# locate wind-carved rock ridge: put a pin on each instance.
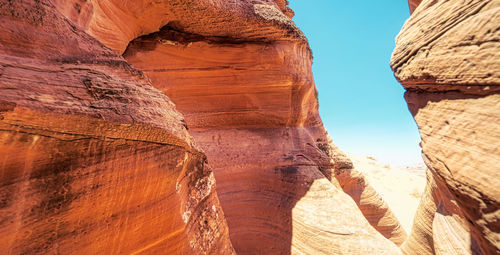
(447, 57)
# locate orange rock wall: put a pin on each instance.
(117, 22)
(447, 58)
(96, 160)
(253, 108)
(282, 97)
(250, 85)
(93, 159)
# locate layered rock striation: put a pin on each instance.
(117, 22)
(447, 58)
(96, 159)
(252, 106)
(93, 158)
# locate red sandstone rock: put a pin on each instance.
(117, 22)
(252, 106)
(93, 159)
(447, 58)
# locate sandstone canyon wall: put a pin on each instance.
(448, 59)
(252, 105)
(93, 159)
(96, 160)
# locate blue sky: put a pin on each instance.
(361, 103)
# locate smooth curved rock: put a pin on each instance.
(447, 58)
(94, 160)
(448, 46)
(234, 84)
(253, 108)
(275, 174)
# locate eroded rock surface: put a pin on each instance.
(117, 22)
(96, 160)
(447, 58)
(252, 106)
(93, 159)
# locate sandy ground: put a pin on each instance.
(400, 186)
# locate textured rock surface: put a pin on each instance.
(93, 159)
(252, 106)
(116, 22)
(276, 174)
(414, 4)
(447, 58)
(96, 160)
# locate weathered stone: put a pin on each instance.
(93, 159)
(253, 108)
(447, 58)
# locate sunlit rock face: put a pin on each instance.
(116, 22)
(93, 159)
(447, 58)
(249, 100)
(373, 206)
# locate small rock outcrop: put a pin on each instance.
(447, 58)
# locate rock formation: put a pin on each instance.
(96, 158)
(117, 22)
(447, 59)
(252, 105)
(93, 159)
